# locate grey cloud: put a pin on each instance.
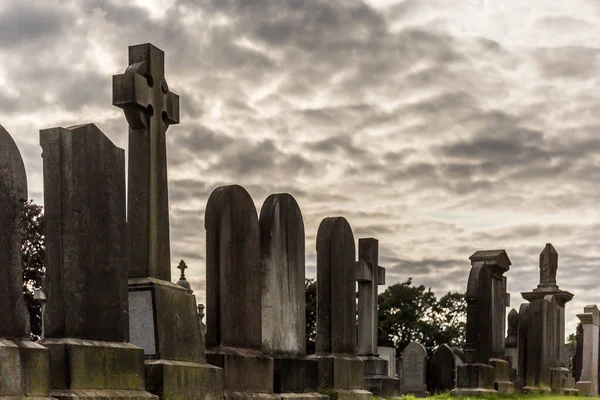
(24, 22)
(568, 62)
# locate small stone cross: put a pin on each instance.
(182, 267)
(369, 275)
(143, 94)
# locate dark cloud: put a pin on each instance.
(24, 22)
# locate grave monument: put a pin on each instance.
(369, 276)
(24, 365)
(163, 318)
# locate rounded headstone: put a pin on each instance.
(442, 370)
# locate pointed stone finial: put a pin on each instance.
(182, 281)
(548, 266)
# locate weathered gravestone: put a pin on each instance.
(339, 368)
(546, 363)
(511, 345)
(163, 319)
(522, 346)
(588, 382)
(86, 314)
(414, 370)
(369, 276)
(389, 354)
(233, 293)
(441, 376)
(486, 297)
(24, 368)
(578, 357)
(283, 298)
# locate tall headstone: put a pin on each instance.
(414, 370)
(553, 354)
(522, 346)
(442, 370)
(369, 276)
(486, 297)
(590, 321)
(163, 319)
(283, 310)
(339, 368)
(24, 367)
(578, 357)
(86, 314)
(511, 345)
(233, 293)
(389, 354)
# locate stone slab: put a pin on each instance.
(35, 368)
(95, 394)
(164, 321)
(382, 385)
(373, 365)
(475, 377)
(339, 371)
(293, 374)
(89, 364)
(13, 192)
(172, 380)
(246, 371)
(348, 394)
(10, 369)
(84, 211)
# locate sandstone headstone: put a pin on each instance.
(522, 346)
(283, 294)
(590, 320)
(369, 276)
(13, 193)
(414, 370)
(339, 368)
(86, 279)
(24, 365)
(163, 319)
(234, 293)
(442, 370)
(486, 307)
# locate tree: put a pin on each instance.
(310, 286)
(34, 250)
(412, 313)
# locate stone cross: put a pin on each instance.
(150, 108)
(182, 267)
(368, 275)
(13, 192)
(548, 266)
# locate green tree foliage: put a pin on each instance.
(34, 250)
(310, 286)
(412, 313)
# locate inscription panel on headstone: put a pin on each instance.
(141, 310)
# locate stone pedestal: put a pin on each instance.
(162, 315)
(294, 374)
(24, 370)
(502, 381)
(474, 380)
(95, 369)
(562, 382)
(377, 380)
(342, 374)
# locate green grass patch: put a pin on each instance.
(517, 396)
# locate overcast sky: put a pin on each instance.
(440, 127)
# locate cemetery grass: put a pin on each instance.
(447, 396)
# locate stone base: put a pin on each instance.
(244, 371)
(472, 392)
(586, 388)
(382, 386)
(24, 369)
(95, 369)
(561, 381)
(338, 371)
(183, 380)
(502, 381)
(532, 390)
(295, 375)
(475, 378)
(348, 394)
(232, 395)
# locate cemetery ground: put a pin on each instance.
(498, 396)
